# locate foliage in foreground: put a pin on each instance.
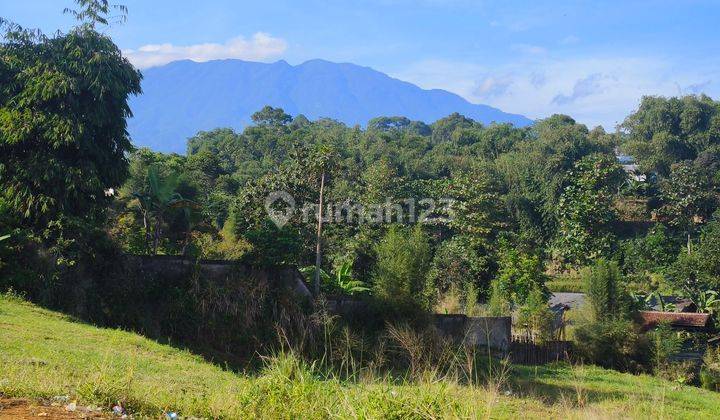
(45, 354)
(607, 336)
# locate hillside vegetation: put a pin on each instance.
(400, 218)
(47, 354)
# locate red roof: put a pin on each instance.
(651, 319)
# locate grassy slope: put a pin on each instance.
(44, 354)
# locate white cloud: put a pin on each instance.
(584, 87)
(260, 47)
(570, 40)
(493, 85)
(456, 77)
(594, 91)
(529, 49)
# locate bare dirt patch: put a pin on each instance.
(18, 408)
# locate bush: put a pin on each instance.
(681, 372)
(652, 253)
(615, 344)
(520, 274)
(697, 268)
(536, 317)
(710, 379)
(458, 267)
(607, 336)
(403, 259)
(664, 343)
(710, 371)
(606, 296)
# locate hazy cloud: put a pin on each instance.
(457, 77)
(570, 40)
(516, 23)
(584, 87)
(260, 47)
(694, 88)
(529, 49)
(598, 90)
(493, 86)
(537, 79)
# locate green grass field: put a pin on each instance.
(46, 354)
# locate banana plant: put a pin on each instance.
(648, 302)
(708, 302)
(342, 280)
(345, 282)
(664, 306)
(161, 197)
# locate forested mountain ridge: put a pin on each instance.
(184, 97)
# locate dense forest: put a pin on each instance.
(550, 198)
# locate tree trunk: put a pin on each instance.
(318, 258)
(188, 238)
(145, 228)
(156, 242)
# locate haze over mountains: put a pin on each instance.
(184, 97)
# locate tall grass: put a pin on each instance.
(402, 373)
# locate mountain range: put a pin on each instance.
(183, 97)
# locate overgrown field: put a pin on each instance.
(46, 354)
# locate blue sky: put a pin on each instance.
(591, 60)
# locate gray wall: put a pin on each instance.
(494, 332)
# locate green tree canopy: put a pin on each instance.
(63, 111)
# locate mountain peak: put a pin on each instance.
(184, 97)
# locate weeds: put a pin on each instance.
(44, 356)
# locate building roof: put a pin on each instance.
(631, 168)
(679, 320)
(624, 159)
(567, 300)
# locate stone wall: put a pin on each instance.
(493, 332)
(216, 271)
(224, 310)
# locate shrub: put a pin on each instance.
(457, 267)
(710, 371)
(710, 379)
(520, 274)
(607, 336)
(615, 344)
(664, 343)
(606, 296)
(652, 253)
(697, 269)
(681, 372)
(536, 317)
(403, 259)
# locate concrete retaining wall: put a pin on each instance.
(494, 332)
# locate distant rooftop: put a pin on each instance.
(625, 159)
(677, 320)
(567, 300)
